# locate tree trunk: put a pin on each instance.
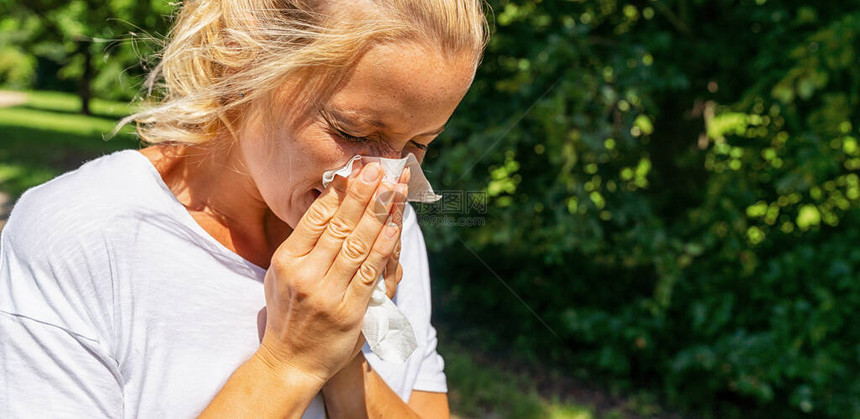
(85, 92)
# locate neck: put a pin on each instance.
(209, 181)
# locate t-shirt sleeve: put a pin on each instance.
(51, 372)
(431, 375)
(56, 296)
(431, 371)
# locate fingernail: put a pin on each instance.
(402, 190)
(356, 168)
(371, 172)
(407, 175)
(390, 230)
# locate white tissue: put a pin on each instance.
(386, 329)
(419, 188)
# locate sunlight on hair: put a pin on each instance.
(220, 57)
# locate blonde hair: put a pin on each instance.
(222, 55)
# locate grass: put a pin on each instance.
(486, 383)
(46, 136)
(478, 390)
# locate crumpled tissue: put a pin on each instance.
(386, 329)
(419, 188)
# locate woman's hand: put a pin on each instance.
(321, 278)
(393, 270)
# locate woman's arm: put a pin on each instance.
(358, 391)
(260, 388)
(429, 404)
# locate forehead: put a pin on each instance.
(405, 84)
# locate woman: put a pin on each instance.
(134, 286)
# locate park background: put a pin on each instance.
(671, 191)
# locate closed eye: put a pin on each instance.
(351, 138)
(334, 128)
(356, 139)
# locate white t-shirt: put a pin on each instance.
(114, 302)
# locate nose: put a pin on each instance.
(394, 154)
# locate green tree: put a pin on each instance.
(96, 44)
(673, 190)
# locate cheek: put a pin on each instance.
(286, 169)
(272, 168)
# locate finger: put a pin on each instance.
(395, 256)
(405, 175)
(393, 268)
(362, 284)
(398, 277)
(313, 223)
(354, 205)
(393, 275)
(390, 273)
(356, 247)
(401, 191)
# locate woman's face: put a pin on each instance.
(395, 102)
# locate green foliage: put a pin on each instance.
(16, 68)
(673, 189)
(97, 45)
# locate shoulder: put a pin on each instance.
(99, 184)
(55, 262)
(80, 202)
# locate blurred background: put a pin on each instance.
(651, 206)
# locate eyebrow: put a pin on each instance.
(335, 117)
